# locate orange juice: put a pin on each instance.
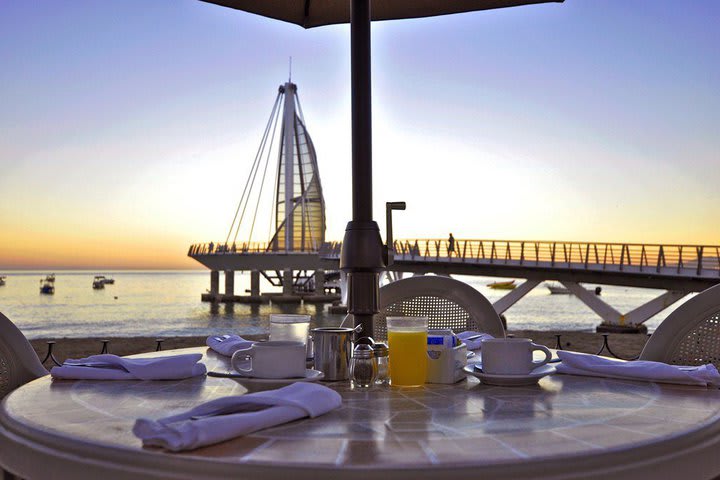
(408, 356)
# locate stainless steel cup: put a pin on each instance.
(333, 348)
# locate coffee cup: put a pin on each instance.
(511, 356)
(273, 359)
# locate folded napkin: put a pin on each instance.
(229, 417)
(592, 365)
(228, 344)
(473, 344)
(112, 367)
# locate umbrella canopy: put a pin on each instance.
(363, 256)
(315, 13)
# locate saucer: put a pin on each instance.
(310, 376)
(509, 380)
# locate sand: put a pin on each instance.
(624, 345)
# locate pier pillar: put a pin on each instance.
(214, 282)
(319, 282)
(287, 282)
(229, 283)
(255, 283)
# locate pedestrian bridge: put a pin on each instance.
(678, 269)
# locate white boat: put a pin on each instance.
(2, 280)
(556, 289)
(47, 286)
(98, 282)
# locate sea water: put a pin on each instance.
(167, 304)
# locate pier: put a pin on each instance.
(677, 269)
(298, 258)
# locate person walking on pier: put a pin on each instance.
(451, 245)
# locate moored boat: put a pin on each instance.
(508, 285)
(47, 286)
(2, 280)
(98, 282)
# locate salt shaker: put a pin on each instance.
(381, 359)
(363, 369)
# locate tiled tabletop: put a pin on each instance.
(561, 422)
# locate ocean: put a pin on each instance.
(167, 304)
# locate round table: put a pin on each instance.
(564, 427)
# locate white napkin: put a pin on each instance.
(230, 417)
(592, 365)
(474, 344)
(112, 367)
(227, 344)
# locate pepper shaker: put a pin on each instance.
(363, 368)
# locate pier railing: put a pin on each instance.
(644, 257)
(681, 259)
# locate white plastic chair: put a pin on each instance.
(690, 335)
(18, 361)
(446, 302)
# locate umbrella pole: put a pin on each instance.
(361, 256)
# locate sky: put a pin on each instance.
(128, 129)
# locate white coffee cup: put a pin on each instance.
(511, 356)
(274, 359)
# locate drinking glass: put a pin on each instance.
(407, 342)
(293, 328)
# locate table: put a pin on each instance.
(565, 427)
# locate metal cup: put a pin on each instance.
(333, 347)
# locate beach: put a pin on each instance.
(624, 345)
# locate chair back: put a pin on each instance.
(444, 301)
(18, 361)
(690, 335)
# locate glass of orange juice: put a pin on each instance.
(407, 344)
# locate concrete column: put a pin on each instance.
(319, 282)
(214, 282)
(229, 282)
(255, 283)
(287, 282)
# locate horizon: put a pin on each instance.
(131, 127)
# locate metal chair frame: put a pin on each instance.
(448, 303)
(690, 335)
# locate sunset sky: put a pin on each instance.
(128, 128)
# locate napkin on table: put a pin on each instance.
(474, 344)
(112, 367)
(229, 417)
(227, 344)
(592, 365)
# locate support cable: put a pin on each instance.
(254, 174)
(262, 182)
(257, 156)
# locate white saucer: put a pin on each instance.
(310, 376)
(509, 380)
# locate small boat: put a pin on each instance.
(508, 285)
(556, 289)
(2, 280)
(98, 282)
(47, 287)
(109, 281)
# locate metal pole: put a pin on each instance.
(362, 249)
(361, 90)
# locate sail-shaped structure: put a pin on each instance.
(299, 202)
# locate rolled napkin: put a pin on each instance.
(473, 339)
(228, 344)
(594, 366)
(112, 367)
(230, 417)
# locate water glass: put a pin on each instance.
(291, 328)
(407, 342)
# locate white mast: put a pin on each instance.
(289, 142)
